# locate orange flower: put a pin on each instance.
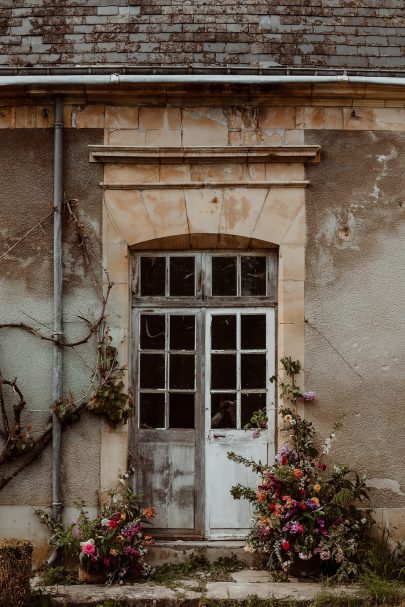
(317, 487)
(149, 513)
(148, 539)
(297, 473)
(261, 496)
(315, 500)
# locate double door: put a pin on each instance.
(199, 374)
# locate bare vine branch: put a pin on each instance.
(20, 240)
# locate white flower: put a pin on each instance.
(363, 521)
(104, 522)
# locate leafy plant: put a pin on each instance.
(113, 544)
(110, 399)
(299, 513)
(53, 576)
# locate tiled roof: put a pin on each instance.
(257, 33)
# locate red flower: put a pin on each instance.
(303, 507)
(301, 491)
(285, 545)
(113, 524)
(272, 507)
(297, 473)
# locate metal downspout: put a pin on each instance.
(57, 309)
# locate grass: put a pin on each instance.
(58, 576)
(199, 568)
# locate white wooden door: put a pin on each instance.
(239, 360)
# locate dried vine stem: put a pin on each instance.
(20, 240)
(93, 326)
(11, 432)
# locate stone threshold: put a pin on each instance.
(244, 584)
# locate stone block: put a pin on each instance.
(136, 173)
(159, 118)
(297, 231)
(121, 117)
(6, 118)
(172, 173)
(167, 212)
(90, 117)
(128, 214)
(293, 258)
(291, 295)
(291, 340)
(277, 118)
(204, 207)
(278, 214)
(241, 208)
(125, 137)
(217, 172)
(163, 137)
(280, 171)
(204, 126)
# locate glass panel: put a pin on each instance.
(181, 410)
(182, 276)
(253, 331)
(181, 372)
(223, 410)
(223, 332)
(249, 404)
(223, 371)
(152, 371)
(153, 273)
(152, 332)
(152, 411)
(224, 275)
(253, 270)
(182, 332)
(253, 371)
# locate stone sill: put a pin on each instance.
(130, 185)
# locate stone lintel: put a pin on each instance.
(193, 185)
(203, 154)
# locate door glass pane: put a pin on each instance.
(182, 276)
(223, 410)
(152, 411)
(152, 371)
(253, 331)
(153, 274)
(181, 372)
(223, 332)
(249, 404)
(223, 371)
(181, 410)
(224, 276)
(182, 332)
(253, 371)
(253, 279)
(153, 332)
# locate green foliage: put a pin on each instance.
(254, 601)
(58, 576)
(110, 399)
(382, 591)
(331, 599)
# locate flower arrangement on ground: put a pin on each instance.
(300, 512)
(113, 545)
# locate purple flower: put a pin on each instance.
(309, 396)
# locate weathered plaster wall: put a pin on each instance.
(355, 303)
(26, 285)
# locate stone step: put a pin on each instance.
(176, 551)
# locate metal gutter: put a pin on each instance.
(240, 79)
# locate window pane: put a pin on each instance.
(224, 275)
(182, 276)
(181, 410)
(223, 410)
(182, 332)
(253, 371)
(181, 372)
(152, 371)
(153, 332)
(152, 411)
(253, 270)
(253, 331)
(153, 271)
(223, 371)
(249, 404)
(223, 332)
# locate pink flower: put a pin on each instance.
(309, 396)
(88, 547)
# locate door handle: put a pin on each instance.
(219, 435)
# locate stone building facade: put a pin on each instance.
(306, 176)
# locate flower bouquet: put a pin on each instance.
(299, 513)
(111, 548)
